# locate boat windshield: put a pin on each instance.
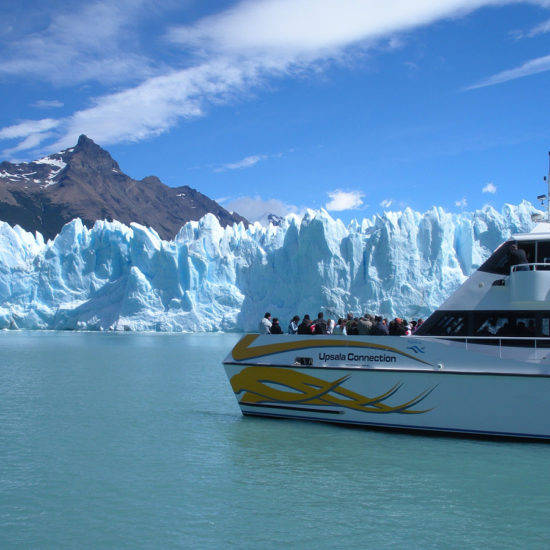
(500, 261)
(512, 324)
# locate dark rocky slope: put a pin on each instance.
(85, 182)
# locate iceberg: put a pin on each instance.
(210, 278)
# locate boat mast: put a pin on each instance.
(542, 198)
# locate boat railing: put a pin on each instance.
(531, 267)
(529, 282)
(502, 342)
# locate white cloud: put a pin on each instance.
(344, 200)
(258, 209)
(28, 127)
(313, 28)
(30, 142)
(534, 66)
(96, 42)
(490, 188)
(224, 55)
(386, 203)
(462, 203)
(47, 104)
(540, 29)
(246, 162)
(156, 105)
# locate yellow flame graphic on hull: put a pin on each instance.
(263, 385)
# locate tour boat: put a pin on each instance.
(480, 364)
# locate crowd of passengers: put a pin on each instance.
(367, 324)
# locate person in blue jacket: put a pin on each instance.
(293, 325)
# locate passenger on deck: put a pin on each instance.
(517, 256)
(340, 327)
(379, 328)
(352, 327)
(293, 325)
(349, 322)
(304, 326)
(365, 324)
(265, 324)
(276, 327)
(320, 324)
(396, 327)
(330, 326)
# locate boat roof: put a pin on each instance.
(540, 232)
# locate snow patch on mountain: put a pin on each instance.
(57, 164)
(209, 278)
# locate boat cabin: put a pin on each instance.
(504, 302)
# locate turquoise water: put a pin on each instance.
(136, 441)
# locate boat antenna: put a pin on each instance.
(542, 198)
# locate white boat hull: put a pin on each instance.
(391, 382)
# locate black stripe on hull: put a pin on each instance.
(291, 408)
(426, 430)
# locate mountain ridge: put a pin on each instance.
(85, 182)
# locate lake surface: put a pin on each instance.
(114, 441)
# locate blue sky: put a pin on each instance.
(281, 105)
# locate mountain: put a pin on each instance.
(85, 182)
(214, 278)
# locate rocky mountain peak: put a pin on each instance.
(85, 182)
(87, 155)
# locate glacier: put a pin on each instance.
(209, 278)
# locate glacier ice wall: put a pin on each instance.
(210, 278)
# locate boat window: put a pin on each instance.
(517, 324)
(492, 325)
(543, 252)
(499, 261)
(526, 326)
(445, 323)
(544, 331)
(488, 326)
(529, 247)
(514, 324)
